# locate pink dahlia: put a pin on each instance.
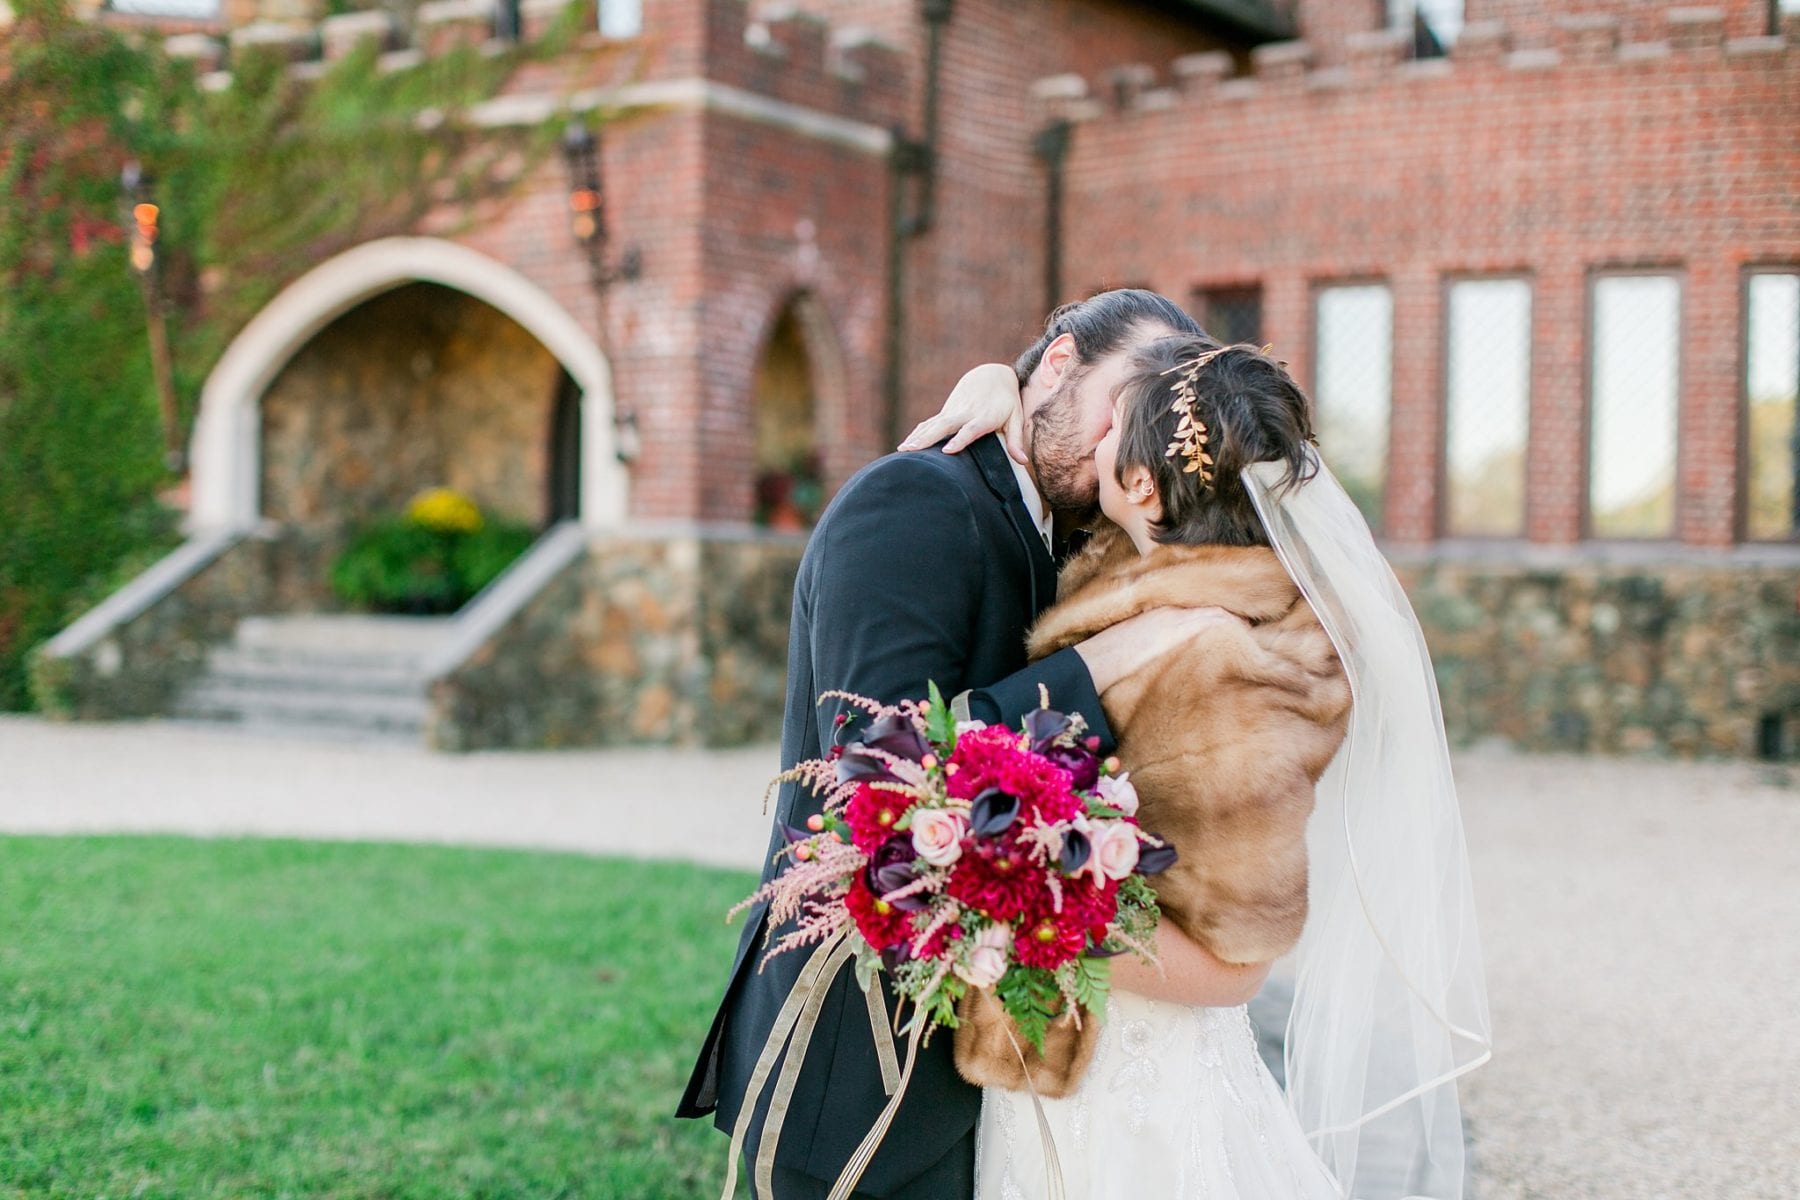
(872, 812)
(1048, 942)
(881, 924)
(999, 879)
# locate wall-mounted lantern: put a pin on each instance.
(587, 224)
(143, 220)
(587, 206)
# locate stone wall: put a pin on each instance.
(1683, 658)
(138, 666)
(419, 387)
(676, 639)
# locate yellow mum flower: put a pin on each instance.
(444, 510)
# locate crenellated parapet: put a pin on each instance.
(785, 55)
(1384, 58)
(795, 55)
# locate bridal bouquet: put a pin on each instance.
(957, 856)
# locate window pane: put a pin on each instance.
(1635, 391)
(1772, 379)
(621, 18)
(1488, 403)
(1354, 390)
(1444, 17)
(1232, 315)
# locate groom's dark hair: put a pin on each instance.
(1102, 323)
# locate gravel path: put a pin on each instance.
(1641, 920)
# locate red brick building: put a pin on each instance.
(1539, 265)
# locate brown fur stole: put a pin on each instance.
(1225, 739)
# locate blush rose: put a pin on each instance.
(937, 835)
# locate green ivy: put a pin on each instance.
(257, 182)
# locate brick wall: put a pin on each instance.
(734, 217)
(976, 279)
(1581, 155)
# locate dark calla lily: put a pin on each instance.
(794, 835)
(1082, 766)
(1043, 726)
(898, 736)
(855, 763)
(993, 812)
(1076, 850)
(1094, 951)
(891, 868)
(1154, 860)
(894, 955)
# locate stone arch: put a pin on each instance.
(227, 446)
(800, 324)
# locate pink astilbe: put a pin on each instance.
(947, 914)
(817, 774)
(930, 881)
(811, 891)
(874, 708)
(1044, 843)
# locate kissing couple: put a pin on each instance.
(1133, 524)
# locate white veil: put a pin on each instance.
(1390, 1005)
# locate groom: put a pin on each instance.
(929, 568)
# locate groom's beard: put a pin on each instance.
(1060, 457)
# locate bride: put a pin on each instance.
(1322, 689)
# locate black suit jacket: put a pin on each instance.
(925, 568)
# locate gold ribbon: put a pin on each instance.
(786, 1022)
(865, 1153)
(793, 1030)
(1053, 1180)
(884, 1040)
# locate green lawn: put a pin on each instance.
(195, 1019)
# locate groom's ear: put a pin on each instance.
(1059, 356)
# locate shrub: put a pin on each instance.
(432, 559)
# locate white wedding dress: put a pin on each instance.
(1176, 1105)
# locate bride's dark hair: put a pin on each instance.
(1253, 412)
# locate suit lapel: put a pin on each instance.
(997, 472)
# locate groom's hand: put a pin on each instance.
(1133, 645)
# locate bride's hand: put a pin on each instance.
(985, 400)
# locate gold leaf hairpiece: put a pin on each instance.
(1191, 435)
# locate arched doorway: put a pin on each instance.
(564, 500)
(228, 445)
(790, 487)
(419, 387)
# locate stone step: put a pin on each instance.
(320, 709)
(256, 727)
(337, 635)
(287, 671)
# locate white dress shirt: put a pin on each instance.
(1034, 502)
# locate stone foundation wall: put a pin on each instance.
(137, 667)
(1684, 659)
(676, 640)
